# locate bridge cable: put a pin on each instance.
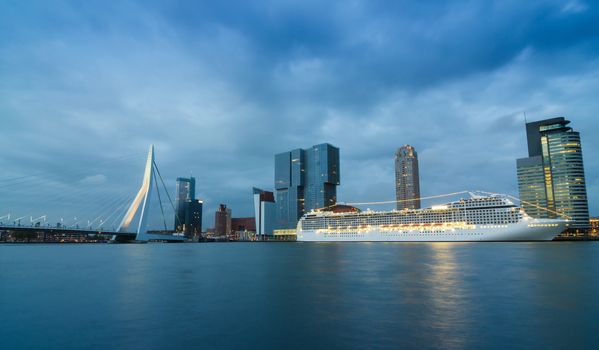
(159, 200)
(123, 206)
(169, 197)
(78, 195)
(117, 218)
(107, 207)
(58, 183)
(88, 207)
(86, 167)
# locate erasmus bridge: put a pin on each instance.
(124, 222)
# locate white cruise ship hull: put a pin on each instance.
(525, 230)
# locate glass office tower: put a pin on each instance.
(185, 193)
(552, 177)
(305, 179)
(407, 178)
(193, 217)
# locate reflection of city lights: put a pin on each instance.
(446, 290)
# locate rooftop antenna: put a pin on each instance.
(525, 121)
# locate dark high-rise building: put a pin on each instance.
(551, 180)
(185, 193)
(222, 221)
(289, 186)
(193, 217)
(305, 179)
(188, 210)
(407, 178)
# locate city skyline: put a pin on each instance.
(74, 92)
(363, 174)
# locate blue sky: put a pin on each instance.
(220, 87)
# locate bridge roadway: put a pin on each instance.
(119, 236)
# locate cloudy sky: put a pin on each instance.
(220, 87)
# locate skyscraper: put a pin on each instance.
(193, 217)
(407, 178)
(305, 179)
(551, 179)
(185, 193)
(188, 210)
(264, 212)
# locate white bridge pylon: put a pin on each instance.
(141, 205)
(143, 195)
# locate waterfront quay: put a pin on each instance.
(74, 236)
(52, 235)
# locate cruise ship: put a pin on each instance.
(477, 218)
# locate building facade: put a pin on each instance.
(305, 179)
(407, 178)
(193, 218)
(188, 209)
(222, 221)
(184, 193)
(551, 179)
(264, 212)
(243, 224)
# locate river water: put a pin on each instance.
(300, 295)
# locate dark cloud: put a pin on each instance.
(220, 87)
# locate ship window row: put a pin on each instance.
(500, 218)
(404, 234)
(474, 203)
(343, 235)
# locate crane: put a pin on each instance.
(7, 216)
(37, 224)
(18, 220)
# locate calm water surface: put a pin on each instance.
(294, 295)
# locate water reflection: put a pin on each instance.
(447, 316)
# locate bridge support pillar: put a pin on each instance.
(140, 203)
